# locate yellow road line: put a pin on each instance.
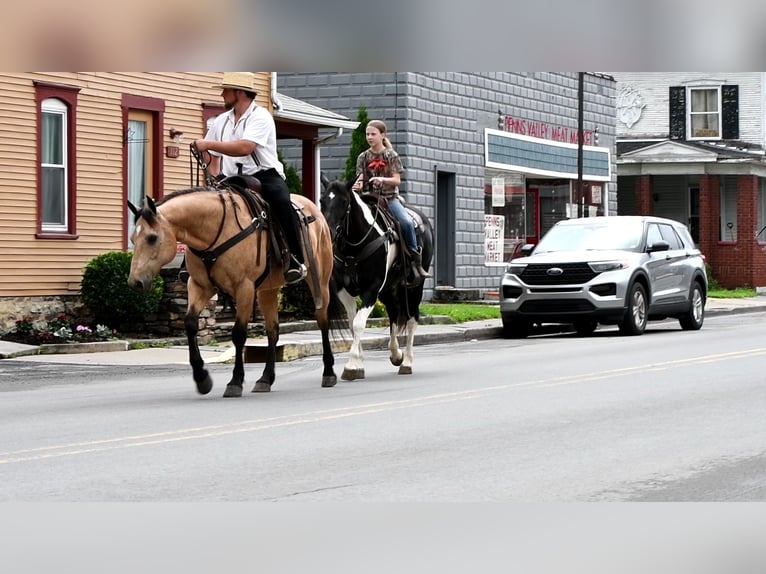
(253, 425)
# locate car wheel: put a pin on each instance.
(636, 315)
(692, 320)
(515, 328)
(585, 327)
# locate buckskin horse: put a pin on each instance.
(369, 264)
(230, 250)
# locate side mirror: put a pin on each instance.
(527, 249)
(660, 245)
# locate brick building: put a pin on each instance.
(690, 146)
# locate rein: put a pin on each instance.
(369, 248)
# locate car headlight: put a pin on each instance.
(603, 266)
(515, 269)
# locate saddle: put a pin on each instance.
(249, 188)
(374, 199)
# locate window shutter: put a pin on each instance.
(677, 122)
(730, 108)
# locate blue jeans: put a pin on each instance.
(405, 222)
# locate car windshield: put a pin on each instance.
(597, 236)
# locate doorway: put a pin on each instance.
(445, 226)
(139, 166)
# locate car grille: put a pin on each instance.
(556, 306)
(573, 274)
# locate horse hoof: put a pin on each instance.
(404, 370)
(397, 362)
(232, 391)
(261, 387)
(352, 374)
(329, 381)
(205, 385)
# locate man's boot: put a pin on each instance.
(417, 263)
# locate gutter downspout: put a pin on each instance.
(317, 160)
(274, 97)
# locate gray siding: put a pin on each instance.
(436, 121)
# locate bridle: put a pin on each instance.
(341, 240)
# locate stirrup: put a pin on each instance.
(296, 274)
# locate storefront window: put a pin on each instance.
(519, 210)
(505, 211)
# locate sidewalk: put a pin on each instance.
(292, 345)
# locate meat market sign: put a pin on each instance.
(545, 131)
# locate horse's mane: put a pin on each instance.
(179, 192)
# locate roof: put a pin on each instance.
(296, 110)
(729, 149)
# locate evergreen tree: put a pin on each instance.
(358, 143)
(292, 178)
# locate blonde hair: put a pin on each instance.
(381, 127)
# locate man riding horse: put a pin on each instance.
(242, 142)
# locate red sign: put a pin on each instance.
(545, 131)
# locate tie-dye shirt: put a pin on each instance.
(383, 164)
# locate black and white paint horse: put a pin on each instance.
(369, 264)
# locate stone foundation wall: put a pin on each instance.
(167, 322)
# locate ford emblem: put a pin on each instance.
(555, 271)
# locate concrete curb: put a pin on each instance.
(301, 339)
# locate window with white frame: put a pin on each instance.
(704, 113)
(760, 232)
(54, 193)
(728, 195)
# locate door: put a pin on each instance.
(140, 168)
(694, 214)
(666, 268)
(445, 229)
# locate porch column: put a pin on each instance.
(308, 170)
(747, 220)
(710, 212)
(644, 202)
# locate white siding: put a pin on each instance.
(654, 90)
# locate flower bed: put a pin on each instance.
(62, 329)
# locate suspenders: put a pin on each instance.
(252, 154)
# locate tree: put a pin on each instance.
(292, 178)
(358, 143)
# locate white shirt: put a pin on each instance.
(255, 125)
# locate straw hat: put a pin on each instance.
(238, 81)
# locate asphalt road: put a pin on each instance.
(668, 416)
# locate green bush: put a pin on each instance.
(105, 291)
(296, 301)
(712, 284)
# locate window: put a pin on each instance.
(54, 166)
(653, 234)
(705, 113)
(669, 234)
(761, 230)
(56, 175)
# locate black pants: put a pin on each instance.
(276, 193)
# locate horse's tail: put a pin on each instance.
(336, 315)
(408, 301)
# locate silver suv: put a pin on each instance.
(623, 270)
